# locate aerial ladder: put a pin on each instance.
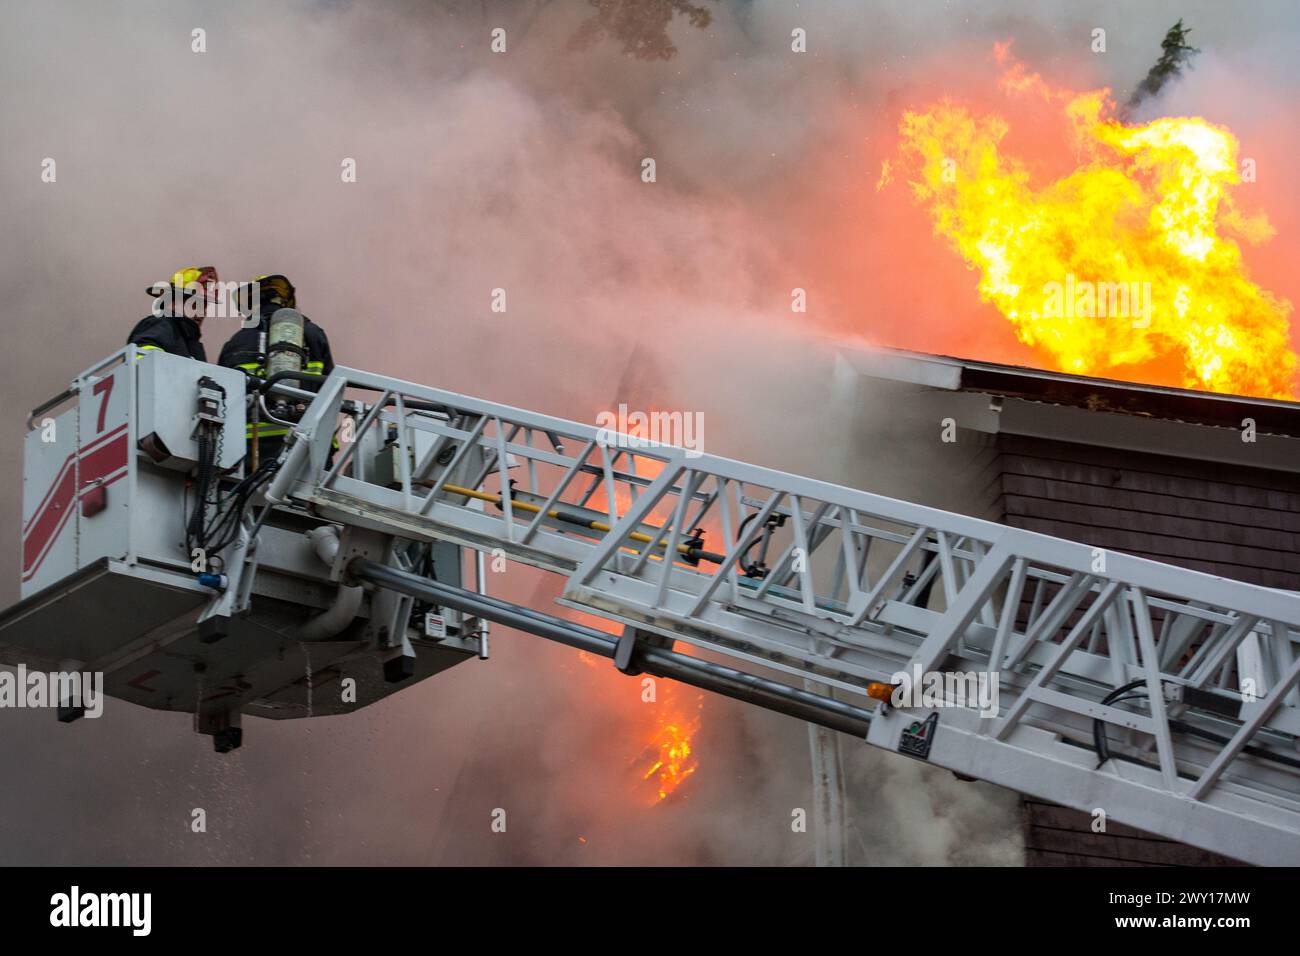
(1140, 692)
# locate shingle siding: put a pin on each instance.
(1233, 521)
(1230, 520)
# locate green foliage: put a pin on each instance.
(1176, 54)
(641, 26)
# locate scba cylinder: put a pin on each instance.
(285, 342)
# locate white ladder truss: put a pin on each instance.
(861, 587)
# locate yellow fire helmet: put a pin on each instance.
(272, 290)
(191, 278)
(278, 289)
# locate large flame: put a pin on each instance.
(1130, 258)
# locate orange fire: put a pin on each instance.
(660, 721)
(667, 757)
(669, 753)
(1130, 259)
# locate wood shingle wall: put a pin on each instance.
(1230, 520)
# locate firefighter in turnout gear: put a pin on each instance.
(247, 349)
(175, 322)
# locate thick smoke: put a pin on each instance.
(519, 171)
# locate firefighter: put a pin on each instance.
(244, 350)
(175, 322)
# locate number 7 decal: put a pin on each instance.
(104, 385)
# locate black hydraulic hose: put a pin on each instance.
(706, 675)
(288, 373)
(1099, 740)
(1250, 749)
(1121, 694)
(740, 533)
(204, 473)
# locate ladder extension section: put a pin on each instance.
(1162, 697)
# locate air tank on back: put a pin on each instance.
(285, 342)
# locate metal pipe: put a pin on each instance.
(277, 491)
(265, 414)
(54, 402)
(582, 521)
(347, 598)
(480, 585)
(288, 391)
(706, 675)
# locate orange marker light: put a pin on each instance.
(879, 691)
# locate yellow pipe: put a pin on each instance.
(553, 513)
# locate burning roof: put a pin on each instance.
(1167, 403)
(1112, 248)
